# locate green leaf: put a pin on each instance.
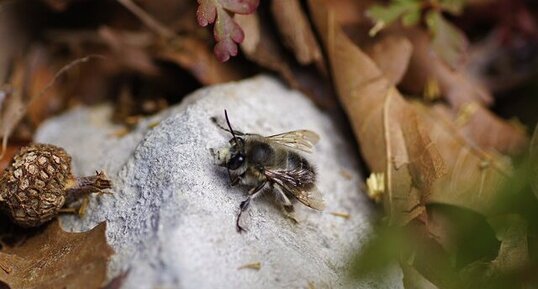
(511, 230)
(386, 15)
(411, 18)
(387, 246)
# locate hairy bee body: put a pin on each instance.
(261, 154)
(271, 163)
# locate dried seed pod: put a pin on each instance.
(39, 182)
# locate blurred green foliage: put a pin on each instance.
(456, 248)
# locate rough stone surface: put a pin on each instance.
(171, 217)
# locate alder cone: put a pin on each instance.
(33, 187)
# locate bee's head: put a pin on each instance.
(233, 155)
(236, 153)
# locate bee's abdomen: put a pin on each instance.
(306, 174)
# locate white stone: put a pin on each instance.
(171, 217)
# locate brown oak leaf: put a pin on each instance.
(53, 259)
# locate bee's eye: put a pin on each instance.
(236, 161)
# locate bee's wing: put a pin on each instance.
(289, 181)
(311, 198)
(303, 140)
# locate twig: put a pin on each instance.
(148, 20)
(66, 68)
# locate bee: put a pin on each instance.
(271, 163)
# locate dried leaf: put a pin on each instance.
(25, 87)
(456, 85)
(392, 55)
(11, 150)
(534, 161)
(194, 55)
(56, 259)
(11, 112)
(485, 130)
(296, 31)
(390, 136)
(474, 177)
(130, 55)
(262, 48)
(425, 157)
(448, 42)
(227, 32)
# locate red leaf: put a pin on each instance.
(206, 13)
(227, 32)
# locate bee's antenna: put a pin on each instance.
(230, 126)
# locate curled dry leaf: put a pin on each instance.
(296, 31)
(56, 259)
(263, 48)
(457, 86)
(227, 32)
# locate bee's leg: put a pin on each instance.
(234, 181)
(285, 203)
(246, 203)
